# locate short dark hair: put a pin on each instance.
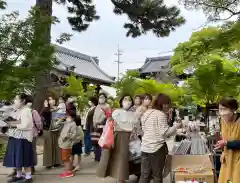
(161, 99)
(102, 94)
(26, 98)
(229, 102)
(148, 96)
(121, 99)
(94, 100)
(139, 96)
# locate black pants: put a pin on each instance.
(152, 165)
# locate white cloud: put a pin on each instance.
(103, 36)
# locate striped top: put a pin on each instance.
(155, 130)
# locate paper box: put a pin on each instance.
(206, 176)
(192, 162)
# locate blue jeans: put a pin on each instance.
(87, 142)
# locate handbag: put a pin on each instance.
(106, 140)
(40, 131)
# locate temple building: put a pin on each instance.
(83, 66)
(159, 68)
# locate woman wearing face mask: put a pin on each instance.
(115, 162)
(19, 153)
(51, 154)
(230, 130)
(99, 120)
(137, 102)
(88, 125)
(155, 131)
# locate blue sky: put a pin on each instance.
(103, 36)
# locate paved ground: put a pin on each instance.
(87, 174)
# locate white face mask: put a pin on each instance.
(225, 112)
(17, 103)
(69, 119)
(126, 104)
(70, 100)
(101, 101)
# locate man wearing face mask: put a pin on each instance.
(230, 130)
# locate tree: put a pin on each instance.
(19, 53)
(131, 84)
(75, 88)
(145, 15)
(215, 10)
(215, 71)
(148, 15)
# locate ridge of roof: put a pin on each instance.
(70, 52)
(154, 59)
(81, 56)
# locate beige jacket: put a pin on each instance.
(68, 135)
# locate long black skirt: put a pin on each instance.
(19, 153)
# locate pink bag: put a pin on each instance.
(106, 140)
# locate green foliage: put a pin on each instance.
(22, 54)
(223, 41)
(3, 4)
(216, 65)
(127, 84)
(148, 15)
(76, 88)
(144, 16)
(132, 85)
(214, 9)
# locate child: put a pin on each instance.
(61, 108)
(66, 141)
(77, 146)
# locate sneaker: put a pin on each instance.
(77, 168)
(15, 179)
(66, 175)
(13, 173)
(26, 181)
(57, 165)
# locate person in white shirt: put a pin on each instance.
(19, 153)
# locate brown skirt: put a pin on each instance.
(51, 154)
(115, 162)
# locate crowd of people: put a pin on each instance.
(145, 119)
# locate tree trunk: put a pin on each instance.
(43, 80)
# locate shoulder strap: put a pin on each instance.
(148, 116)
(34, 121)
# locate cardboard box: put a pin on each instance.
(192, 162)
(206, 176)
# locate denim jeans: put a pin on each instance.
(87, 142)
(152, 165)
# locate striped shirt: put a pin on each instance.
(155, 130)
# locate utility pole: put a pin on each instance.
(118, 54)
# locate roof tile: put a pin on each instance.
(85, 65)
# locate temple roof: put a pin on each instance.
(155, 64)
(82, 65)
